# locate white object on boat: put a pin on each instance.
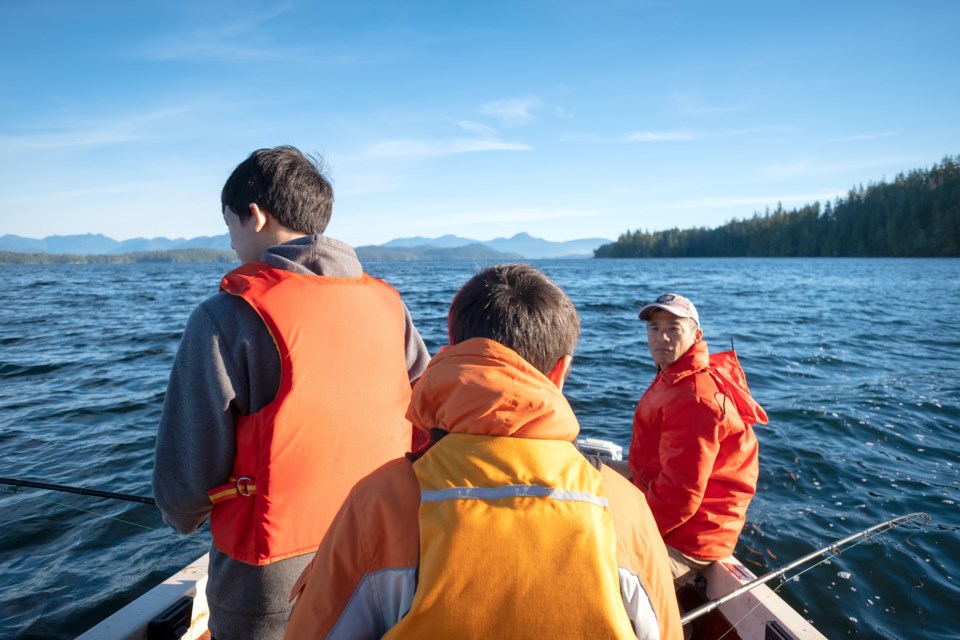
(603, 448)
(134, 620)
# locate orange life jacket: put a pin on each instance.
(338, 415)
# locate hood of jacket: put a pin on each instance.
(315, 255)
(725, 369)
(481, 387)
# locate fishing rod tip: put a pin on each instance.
(919, 515)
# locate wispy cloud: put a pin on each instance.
(682, 136)
(661, 136)
(239, 40)
(476, 127)
(692, 106)
(791, 170)
(868, 136)
(588, 137)
(866, 167)
(435, 148)
(480, 137)
(202, 47)
(513, 111)
(97, 134)
(93, 137)
(93, 191)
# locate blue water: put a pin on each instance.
(856, 362)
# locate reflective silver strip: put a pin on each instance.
(511, 491)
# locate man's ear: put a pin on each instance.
(558, 374)
(259, 217)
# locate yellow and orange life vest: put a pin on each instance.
(516, 541)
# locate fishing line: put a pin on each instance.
(76, 508)
(192, 540)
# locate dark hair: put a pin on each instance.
(520, 308)
(285, 183)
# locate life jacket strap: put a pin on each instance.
(235, 488)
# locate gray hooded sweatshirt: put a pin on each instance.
(228, 365)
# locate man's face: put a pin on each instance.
(670, 336)
(242, 236)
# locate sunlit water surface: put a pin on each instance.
(856, 362)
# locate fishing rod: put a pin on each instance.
(81, 490)
(835, 547)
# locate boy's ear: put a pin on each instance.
(558, 374)
(259, 217)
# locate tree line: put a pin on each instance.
(915, 215)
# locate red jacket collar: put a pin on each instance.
(696, 359)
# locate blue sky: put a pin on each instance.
(562, 119)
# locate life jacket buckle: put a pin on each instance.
(242, 487)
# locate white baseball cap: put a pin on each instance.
(672, 303)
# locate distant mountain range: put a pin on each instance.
(448, 247)
(522, 244)
(99, 244)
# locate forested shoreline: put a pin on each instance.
(915, 215)
(173, 255)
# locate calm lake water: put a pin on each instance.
(856, 362)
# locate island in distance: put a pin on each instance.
(447, 247)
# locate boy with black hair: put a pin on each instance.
(270, 415)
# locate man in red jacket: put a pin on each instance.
(693, 452)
